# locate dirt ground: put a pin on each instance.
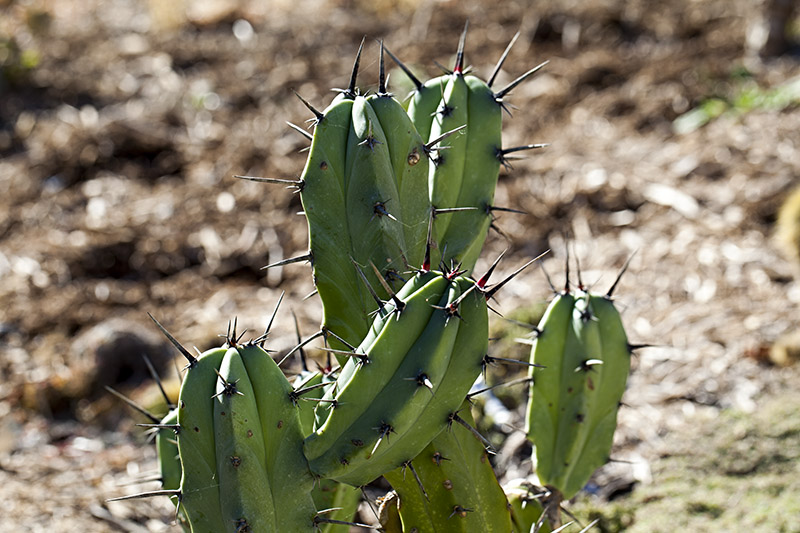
(122, 124)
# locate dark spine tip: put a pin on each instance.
(382, 74)
(351, 91)
(459, 66)
(610, 292)
(418, 84)
(502, 60)
(499, 95)
(317, 114)
(491, 292)
(299, 259)
(189, 357)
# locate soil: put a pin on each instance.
(123, 123)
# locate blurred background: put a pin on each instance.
(673, 131)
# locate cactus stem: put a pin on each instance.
(300, 130)
(489, 293)
(320, 333)
(486, 444)
(135, 406)
(410, 466)
(189, 357)
(610, 292)
(299, 259)
(459, 66)
(292, 184)
(502, 60)
(147, 494)
(507, 383)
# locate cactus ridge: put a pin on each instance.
(365, 200)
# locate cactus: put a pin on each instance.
(363, 191)
(245, 450)
(462, 181)
(240, 444)
(575, 394)
(400, 386)
(450, 486)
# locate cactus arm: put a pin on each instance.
(169, 463)
(467, 230)
(365, 381)
(290, 481)
(245, 496)
(199, 483)
(400, 402)
(410, 166)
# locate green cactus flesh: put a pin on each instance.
(240, 445)
(466, 169)
(364, 196)
(398, 389)
(450, 486)
(575, 394)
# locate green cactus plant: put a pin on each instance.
(245, 450)
(583, 360)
